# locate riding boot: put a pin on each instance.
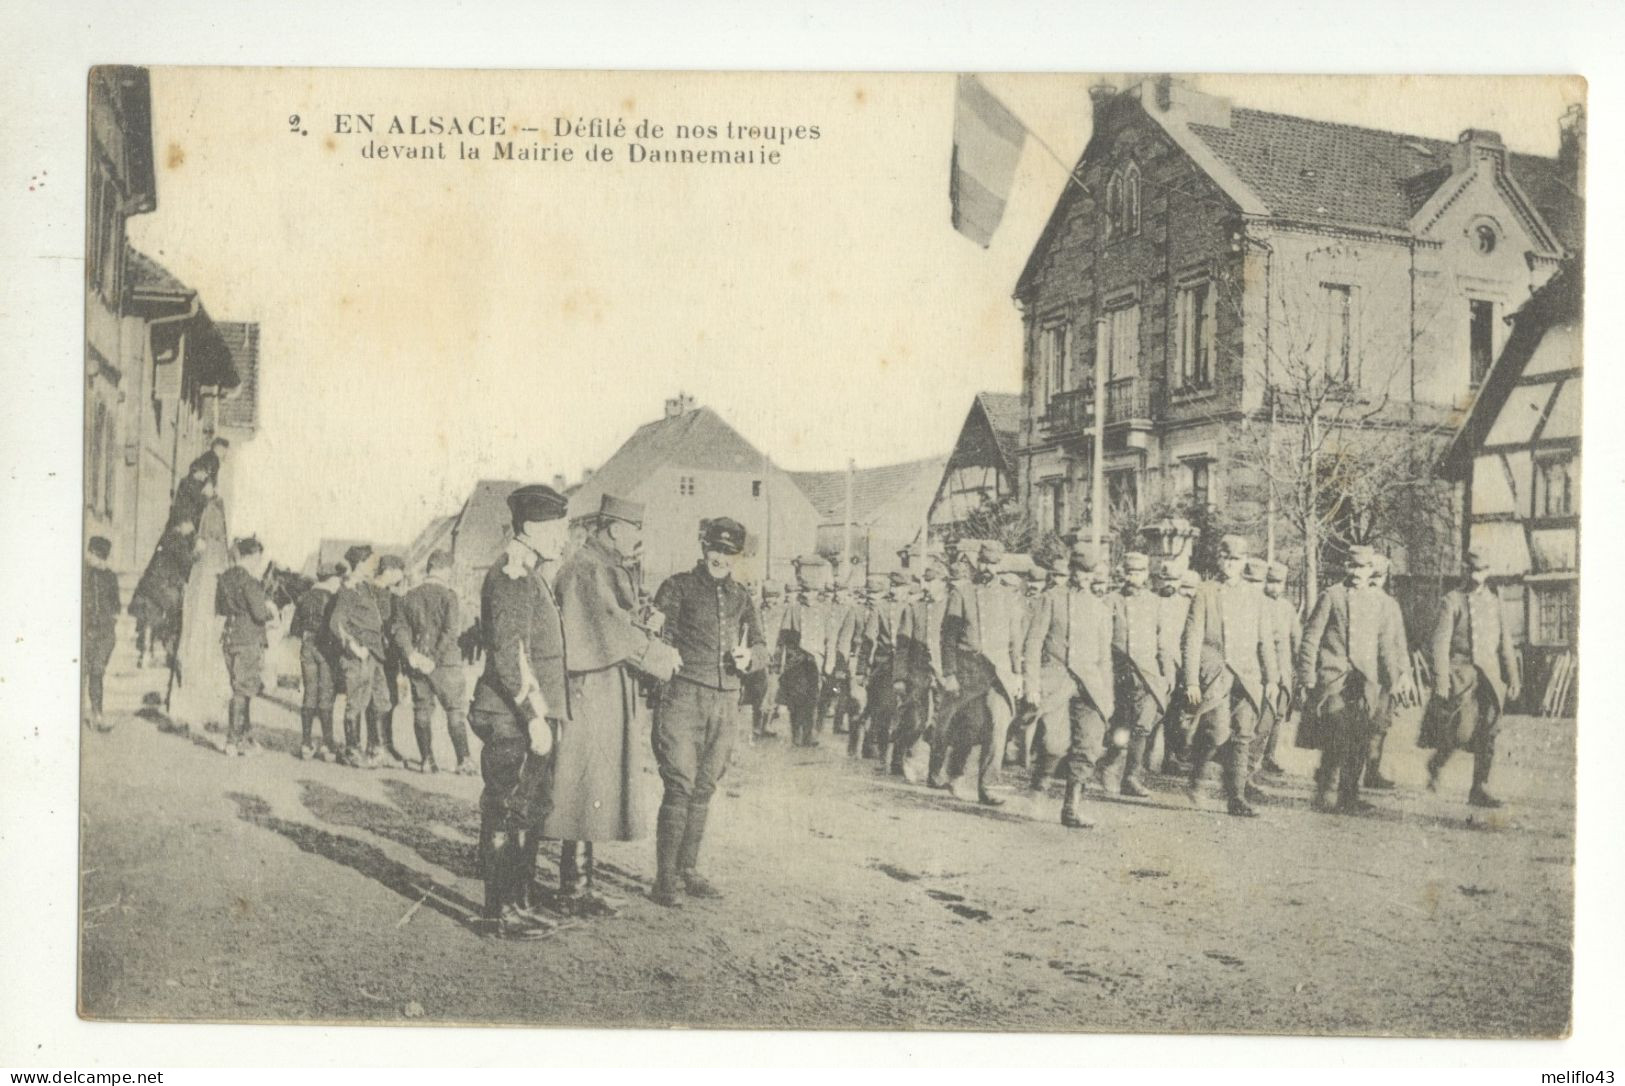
(307, 726)
(525, 891)
(1069, 806)
(326, 716)
(688, 852)
(1483, 760)
(569, 869)
(1201, 749)
(669, 828)
(234, 722)
(1233, 763)
(493, 868)
(885, 757)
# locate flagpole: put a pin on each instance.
(1071, 172)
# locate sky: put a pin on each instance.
(427, 324)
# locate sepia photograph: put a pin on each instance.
(1024, 552)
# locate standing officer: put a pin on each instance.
(1288, 629)
(100, 612)
(601, 755)
(1476, 672)
(386, 588)
(318, 662)
(518, 702)
(1144, 671)
(1405, 691)
(981, 639)
(1228, 662)
(712, 623)
(1069, 664)
(1347, 658)
(428, 622)
(239, 597)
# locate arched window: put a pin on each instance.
(1114, 205)
(1131, 199)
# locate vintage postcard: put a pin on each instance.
(1043, 552)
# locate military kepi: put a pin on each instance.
(536, 502)
(723, 534)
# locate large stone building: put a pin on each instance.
(1211, 251)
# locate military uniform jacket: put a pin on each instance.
(1288, 630)
(355, 617)
(881, 631)
(1228, 632)
(310, 614)
(1350, 633)
(1072, 630)
(706, 619)
(241, 600)
(519, 631)
(1173, 610)
(919, 636)
(1138, 644)
(1472, 633)
(428, 620)
(983, 622)
(814, 627)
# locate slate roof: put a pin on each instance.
(1003, 411)
(698, 438)
(1322, 171)
(239, 409)
(146, 275)
(873, 489)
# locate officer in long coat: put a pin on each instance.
(881, 665)
(1350, 660)
(1068, 663)
(920, 646)
(1404, 692)
(1144, 672)
(1176, 587)
(1228, 663)
(519, 702)
(601, 752)
(1288, 632)
(711, 621)
(1476, 672)
(982, 626)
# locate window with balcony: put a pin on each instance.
(1122, 342)
(1338, 342)
(1480, 339)
(1193, 336)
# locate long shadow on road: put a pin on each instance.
(343, 809)
(365, 859)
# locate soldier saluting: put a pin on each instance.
(1476, 672)
(518, 702)
(711, 621)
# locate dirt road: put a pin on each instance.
(268, 888)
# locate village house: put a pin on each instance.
(1210, 251)
(1518, 455)
(984, 466)
(689, 465)
(868, 518)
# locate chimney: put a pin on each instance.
(1165, 92)
(1474, 144)
(1571, 147)
(558, 482)
(586, 473)
(679, 405)
(1100, 96)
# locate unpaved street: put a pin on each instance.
(267, 888)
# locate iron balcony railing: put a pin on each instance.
(1129, 401)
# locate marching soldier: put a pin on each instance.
(1145, 672)
(100, 610)
(865, 610)
(1288, 631)
(608, 648)
(1228, 663)
(920, 647)
(319, 664)
(981, 640)
(239, 597)
(881, 666)
(1068, 660)
(847, 623)
(1476, 672)
(804, 649)
(1175, 589)
(712, 622)
(519, 701)
(428, 622)
(762, 687)
(1406, 690)
(1349, 659)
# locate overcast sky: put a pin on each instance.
(427, 324)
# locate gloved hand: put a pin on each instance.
(1193, 696)
(661, 661)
